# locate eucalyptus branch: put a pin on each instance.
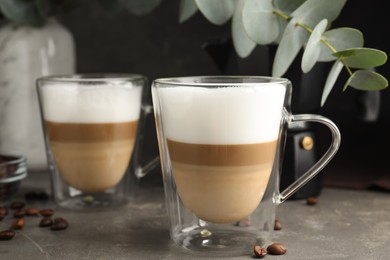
(309, 30)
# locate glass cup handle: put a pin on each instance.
(322, 162)
(141, 171)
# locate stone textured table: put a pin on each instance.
(345, 224)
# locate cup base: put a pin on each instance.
(218, 242)
(92, 201)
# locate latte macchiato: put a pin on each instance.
(222, 144)
(91, 132)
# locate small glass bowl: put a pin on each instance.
(13, 169)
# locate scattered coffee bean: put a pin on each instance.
(259, 252)
(46, 222)
(276, 249)
(18, 224)
(7, 234)
(17, 205)
(19, 213)
(3, 212)
(311, 201)
(278, 225)
(46, 212)
(59, 224)
(32, 211)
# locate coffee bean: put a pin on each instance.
(312, 201)
(3, 212)
(17, 205)
(46, 222)
(276, 249)
(278, 225)
(259, 252)
(7, 234)
(46, 212)
(18, 224)
(59, 224)
(19, 213)
(32, 212)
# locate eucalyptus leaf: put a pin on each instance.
(286, 7)
(340, 39)
(313, 47)
(331, 80)
(242, 43)
(367, 80)
(216, 11)
(312, 12)
(23, 12)
(282, 24)
(292, 41)
(139, 7)
(289, 6)
(260, 23)
(187, 9)
(362, 58)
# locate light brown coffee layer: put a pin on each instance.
(92, 167)
(221, 194)
(221, 155)
(88, 163)
(226, 189)
(91, 132)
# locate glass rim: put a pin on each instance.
(220, 80)
(92, 77)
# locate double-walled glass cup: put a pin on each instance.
(221, 141)
(92, 127)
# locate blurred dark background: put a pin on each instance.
(157, 45)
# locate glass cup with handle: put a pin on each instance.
(93, 126)
(221, 141)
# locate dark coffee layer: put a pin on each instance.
(91, 132)
(222, 155)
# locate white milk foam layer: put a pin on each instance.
(226, 115)
(91, 104)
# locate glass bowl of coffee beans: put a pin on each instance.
(13, 169)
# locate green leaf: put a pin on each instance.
(289, 6)
(340, 39)
(312, 12)
(362, 58)
(187, 9)
(260, 23)
(292, 41)
(216, 11)
(23, 12)
(282, 24)
(140, 7)
(242, 43)
(313, 47)
(331, 80)
(367, 80)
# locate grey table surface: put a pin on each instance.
(345, 224)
